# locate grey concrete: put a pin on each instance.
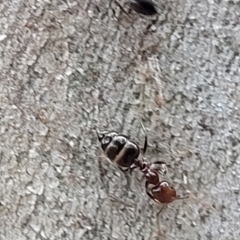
(66, 68)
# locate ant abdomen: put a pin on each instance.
(164, 193)
(118, 148)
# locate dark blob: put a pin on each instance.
(131, 152)
(116, 146)
(145, 7)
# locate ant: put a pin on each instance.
(145, 7)
(121, 150)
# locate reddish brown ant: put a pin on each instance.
(125, 153)
(161, 191)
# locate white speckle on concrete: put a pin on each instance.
(2, 37)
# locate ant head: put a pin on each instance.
(100, 135)
(168, 192)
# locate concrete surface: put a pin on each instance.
(66, 69)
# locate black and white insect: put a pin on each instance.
(119, 149)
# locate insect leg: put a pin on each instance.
(145, 141)
(148, 192)
(180, 198)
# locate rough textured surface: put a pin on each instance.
(68, 67)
